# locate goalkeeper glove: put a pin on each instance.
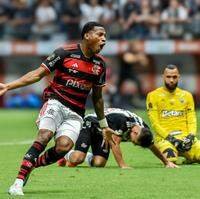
(176, 142)
(187, 142)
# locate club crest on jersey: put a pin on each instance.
(150, 105)
(96, 69)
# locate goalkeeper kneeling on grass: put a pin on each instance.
(172, 115)
(126, 125)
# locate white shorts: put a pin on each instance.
(59, 119)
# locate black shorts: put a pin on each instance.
(89, 137)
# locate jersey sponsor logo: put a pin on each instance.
(172, 113)
(96, 69)
(77, 84)
(51, 63)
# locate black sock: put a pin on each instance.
(49, 157)
(29, 159)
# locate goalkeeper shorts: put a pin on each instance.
(193, 155)
(168, 149)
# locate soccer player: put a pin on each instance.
(126, 125)
(172, 115)
(78, 69)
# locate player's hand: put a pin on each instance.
(107, 136)
(187, 142)
(125, 167)
(171, 165)
(176, 142)
(3, 89)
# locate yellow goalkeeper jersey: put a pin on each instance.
(171, 113)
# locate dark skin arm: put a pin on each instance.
(29, 78)
(99, 109)
(98, 102)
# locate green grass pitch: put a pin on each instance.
(148, 179)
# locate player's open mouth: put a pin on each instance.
(102, 45)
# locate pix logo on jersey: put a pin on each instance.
(78, 84)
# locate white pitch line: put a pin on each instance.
(16, 143)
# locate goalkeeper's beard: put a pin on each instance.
(171, 88)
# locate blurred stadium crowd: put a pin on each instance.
(124, 19)
(130, 73)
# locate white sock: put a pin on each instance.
(88, 158)
(67, 156)
(19, 182)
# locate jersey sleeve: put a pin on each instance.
(153, 115)
(191, 115)
(55, 59)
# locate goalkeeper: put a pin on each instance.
(172, 115)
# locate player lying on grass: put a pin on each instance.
(126, 125)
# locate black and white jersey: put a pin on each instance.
(119, 120)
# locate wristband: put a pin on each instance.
(103, 123)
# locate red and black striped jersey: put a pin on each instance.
(74, 77)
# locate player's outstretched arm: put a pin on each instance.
(3, 89)
(159, 155)
(118, 153)
(27, 79)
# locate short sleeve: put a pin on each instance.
(55, 59)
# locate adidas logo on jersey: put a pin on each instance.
(75, 66)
